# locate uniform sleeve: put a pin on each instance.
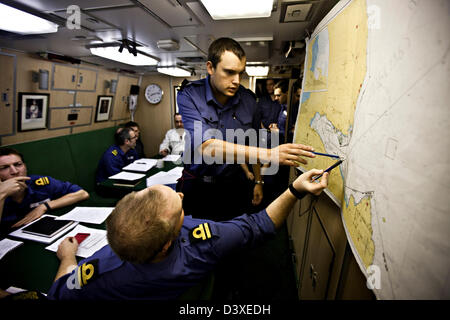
(61, 188)
(165, 143)
(240, 232)
(112, 165)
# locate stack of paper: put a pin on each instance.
(94, 242)
(88, 214)
(171, 157)
(128, 176)
(7, 245)
(141, 165)
(166, 178)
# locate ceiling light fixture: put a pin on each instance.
(174, 71)
(112, 53)
(257, 71)
(18, 21)
(238, 9)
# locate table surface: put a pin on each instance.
(32, 267)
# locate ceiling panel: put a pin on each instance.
(172, 13)
(52, 5)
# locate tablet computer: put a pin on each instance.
(47, 227)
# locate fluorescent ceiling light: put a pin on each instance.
(17, 21)
(238, 9)
(174, 71)
(257, 71)
(126, 57)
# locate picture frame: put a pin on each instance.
(33, 111)
(103, 109)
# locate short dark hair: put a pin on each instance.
(5, 151)
(130, 124)
(137, 229)
(122, 135)
(176, 114)
(283, 85)
(219, 46)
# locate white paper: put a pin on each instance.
(23, 235)
(88, 214)
(7, 245)
(162, 177)
(96, 240)
(177, 171)
(127, 176)
(141, 165)
(146, 160)
(171, 157)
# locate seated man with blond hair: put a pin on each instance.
(156, 253)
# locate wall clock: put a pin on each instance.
(153, 93)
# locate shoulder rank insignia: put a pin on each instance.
(42, 181)
(114, 152)
(83, 274)
(200, 233)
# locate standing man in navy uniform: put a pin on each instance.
(155, 252)
(219, 102)
(25, 198)
(118, 155)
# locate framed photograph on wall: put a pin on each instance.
(103, 108)
(33, 110)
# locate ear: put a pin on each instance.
(166, 246)
(210, 68)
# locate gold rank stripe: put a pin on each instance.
(208, 233)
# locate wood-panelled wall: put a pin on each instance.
(73, 89)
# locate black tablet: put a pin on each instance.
(47, 227)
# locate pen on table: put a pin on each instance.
(327, 170)
(326, 154)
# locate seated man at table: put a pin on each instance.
(25, 198)
(139, 145)
(118, 155)
(157, 253)
(173, 142)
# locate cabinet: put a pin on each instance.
(73, 78)
(7, 94)
(320, 251)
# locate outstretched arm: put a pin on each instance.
(280, 208)
(65, 200)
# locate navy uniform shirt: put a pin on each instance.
(40, 189)
(197, 103)
(198, 248)
(281, 121)
(112, 162)
(269, 110)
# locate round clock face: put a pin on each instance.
(153, 93)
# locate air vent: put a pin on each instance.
(168, 45)
(192, 59)
(295, 12)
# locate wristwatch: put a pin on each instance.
(297, 194)
(259, 182)
(48, 206)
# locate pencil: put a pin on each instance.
(327, 170)
(326, 154)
